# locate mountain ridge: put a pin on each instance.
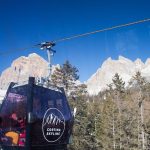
(24, 67)
(125, 67)
(36, 66)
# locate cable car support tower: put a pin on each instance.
(50, 52)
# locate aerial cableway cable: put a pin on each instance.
(101, 30)
(81, 35)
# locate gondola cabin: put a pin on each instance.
(34, 117)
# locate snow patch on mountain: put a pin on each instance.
(2, 95)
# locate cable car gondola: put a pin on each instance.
(34, 117)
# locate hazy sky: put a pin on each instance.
(27, 22)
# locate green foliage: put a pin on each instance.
(65, 76)
(83, 126)
(57, 77)
(118, 83)
(79, 90)
(110, 120)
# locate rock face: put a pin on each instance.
(36, 66)
(123, 66)
(22, 68)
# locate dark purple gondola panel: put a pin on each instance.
(13, 118)
(52, 123)
(54, 118)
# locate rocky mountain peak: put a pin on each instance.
(23, 67)
(123, 60)
(109, 59)
(138, 61)
(123, 66)
(138, 64)
(147, 62)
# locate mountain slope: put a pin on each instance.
(23, 67)
(36, 66)
(123, 66)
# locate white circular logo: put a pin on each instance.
(53, 125)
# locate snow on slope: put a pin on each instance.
(2, 95)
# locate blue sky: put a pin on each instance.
(27, 22)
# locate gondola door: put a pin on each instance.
(52, 119)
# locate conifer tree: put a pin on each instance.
(139, 83)
(79, 90)
(65, 76)
(118, 83)
(119, 88)
(57, 77)
(69, 75)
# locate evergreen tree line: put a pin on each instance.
(116, 119)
